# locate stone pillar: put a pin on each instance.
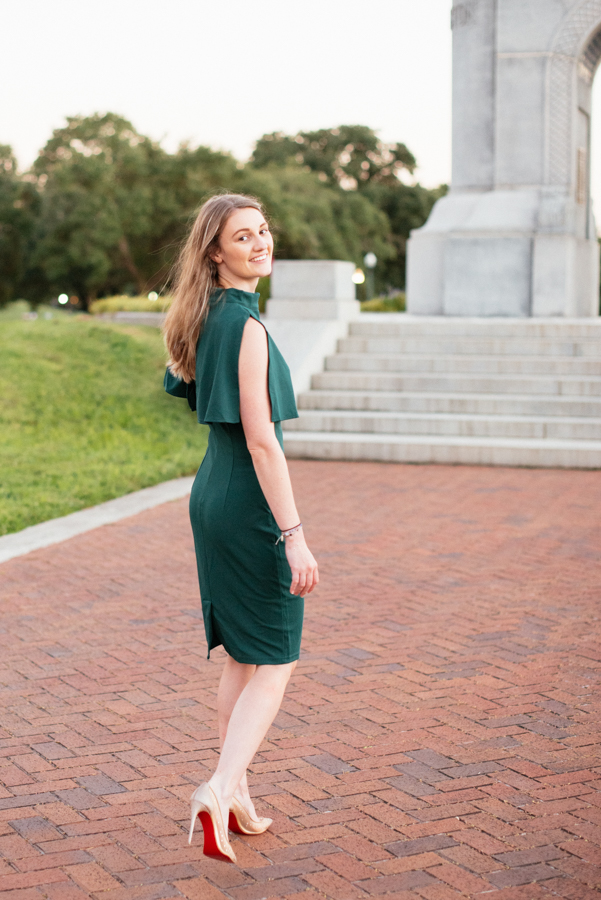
(515, 236)
(311, 304)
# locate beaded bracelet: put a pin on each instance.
(287, 533)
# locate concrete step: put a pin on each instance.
(458, 383)
(474, 391)
(395, 341)
(389, 324)
(450, 450)
(348, 361)
(462, 404)
(392, 423)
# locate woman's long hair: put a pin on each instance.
(196, 277)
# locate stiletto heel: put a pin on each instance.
(204, 806)
(241, 822)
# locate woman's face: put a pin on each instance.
(245, 249)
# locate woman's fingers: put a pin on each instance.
(311, 580)
(303, 581)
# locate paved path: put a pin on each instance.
(440, 737)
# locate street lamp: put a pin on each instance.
(370, 260)
(358, 278)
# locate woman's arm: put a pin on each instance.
(267, 456)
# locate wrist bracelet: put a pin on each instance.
(288, 532)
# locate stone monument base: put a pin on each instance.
(502, 253)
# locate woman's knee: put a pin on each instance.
(277, 676)
(239, 668)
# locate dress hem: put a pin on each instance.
(253, 662)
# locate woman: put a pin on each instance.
(254, 566)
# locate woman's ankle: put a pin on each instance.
(220, 789)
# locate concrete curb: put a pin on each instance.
(56, 530)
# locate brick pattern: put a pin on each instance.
(439, 739)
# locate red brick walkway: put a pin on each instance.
(439, 738)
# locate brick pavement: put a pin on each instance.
(439, 738)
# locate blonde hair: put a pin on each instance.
(196, 277)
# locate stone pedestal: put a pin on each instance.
(515, 236)
(311, 304)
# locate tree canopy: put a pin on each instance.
(18, 206)
(104, 208)
(350, 156)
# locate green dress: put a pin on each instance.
(243, 573)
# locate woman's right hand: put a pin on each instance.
(305, 575)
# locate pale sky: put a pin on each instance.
(224, 72)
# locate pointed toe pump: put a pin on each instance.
(242, 823)
(205, 807)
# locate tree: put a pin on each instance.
(104, 209)
(17, 211)
(314, 221)
(354, 160)
(114, 205)
(350, 156)
(407, 207)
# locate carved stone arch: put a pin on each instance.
(576, 45)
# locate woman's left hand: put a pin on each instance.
(305, 575)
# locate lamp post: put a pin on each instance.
(370, 260)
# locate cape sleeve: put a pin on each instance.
(281, 392)
(177, 387)
(216, 393)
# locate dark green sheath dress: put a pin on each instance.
(244, 575)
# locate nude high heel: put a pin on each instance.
(241, 821)
(205, 806)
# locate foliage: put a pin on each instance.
(313, 221)
(14, 310)
(124, 303)
(264, 291)
(115, 205)
(353, 157)
(104, 209)
(18, 202)
(84, 417)
(396, 303)
(350, 156)
(407, 207)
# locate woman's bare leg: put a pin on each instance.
(234, 678)
(253, 712)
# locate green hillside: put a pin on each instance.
(84, 418)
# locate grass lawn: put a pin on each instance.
(84, 418)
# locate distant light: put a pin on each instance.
(153, 296)
(358, 276)
(370, 260)
(62, 299)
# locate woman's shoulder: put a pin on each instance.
(224, 315)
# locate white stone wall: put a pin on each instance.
(311, 304)
(516, 234)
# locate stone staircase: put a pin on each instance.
(421, 389)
